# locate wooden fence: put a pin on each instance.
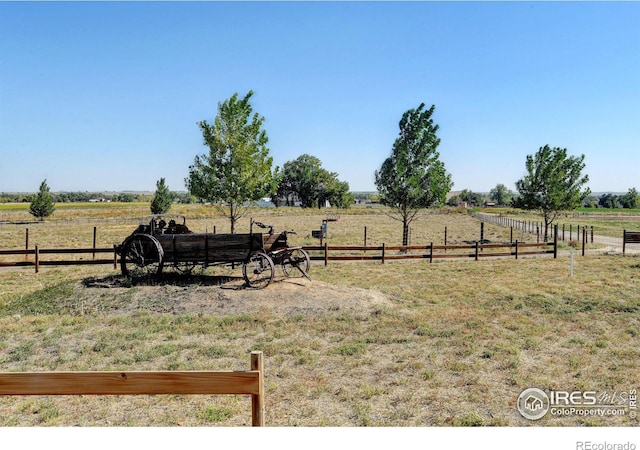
(37, 260)
(324, 253)
(249, 382)
(385, 253)
(629, 237)
(565, 232)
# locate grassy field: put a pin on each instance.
(406, 343)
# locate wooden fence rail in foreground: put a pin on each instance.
(144, 383)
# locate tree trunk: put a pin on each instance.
(232, 218)
(546, 229)
(547, 222)
(405, 232)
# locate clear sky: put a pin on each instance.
(107, 96)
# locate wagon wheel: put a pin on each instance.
(295, 263)
(142, 255)
(258, 270)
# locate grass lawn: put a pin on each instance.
(406, 343)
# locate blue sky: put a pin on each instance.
(107, 96)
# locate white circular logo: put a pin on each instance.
(533, 403)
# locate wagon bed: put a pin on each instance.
(152, 247)
(209, 248)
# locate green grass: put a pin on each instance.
(14, 206)
(215, 414)
(62, 207)
(608, 210)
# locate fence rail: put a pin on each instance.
(430, 252)
(37, 261)
(629, 237)
(144, 383)
(565, 232)
(328, 253)
(581, 235)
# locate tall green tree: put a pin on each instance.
(413, 177)
(42, 205)
(237, 169)
(472, 198)
(553, 183)
(631, 199)
(337, 193)
(305, 180)
(501, 195)
(610, 201)
(162, 198)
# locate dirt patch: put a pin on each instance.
(226, 296)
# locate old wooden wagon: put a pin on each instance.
(162, 240)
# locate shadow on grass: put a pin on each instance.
(166, 279)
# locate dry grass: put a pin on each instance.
(406, 343)
(73, 227)
(605, 222)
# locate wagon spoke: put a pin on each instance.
(258, 270)
(296, 262)
(141, 256)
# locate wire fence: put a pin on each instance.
(575, 235)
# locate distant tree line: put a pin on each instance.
(630, 200)
(71, 197)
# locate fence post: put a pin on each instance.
(584, 239)
(326, 254)
(431, 253)
(562, 232)
(383, 253)
(511, 236)
(592, 234)
(26, 244)
(365, 237)
(570, 232)
(94, 243)
(115, 257)
(555, 242)
(257, 400)
(37, 259)
(476, 250)
(445, 238)
(516, 249)
(206, 250)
